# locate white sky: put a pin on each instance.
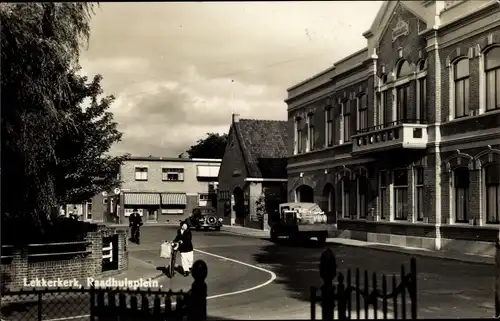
(171, 65)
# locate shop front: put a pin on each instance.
(148, 205)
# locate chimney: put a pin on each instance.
(236, 118)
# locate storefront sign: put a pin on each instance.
(402, 29)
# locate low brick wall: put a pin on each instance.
(20, 270)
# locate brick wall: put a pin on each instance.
(20, 268)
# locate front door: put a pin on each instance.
(152, 215)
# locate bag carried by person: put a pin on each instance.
(166, 250)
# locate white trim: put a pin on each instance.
(256, 179)
(141, 166)
(215, 160)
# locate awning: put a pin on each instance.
(141, 199)
(173, 199)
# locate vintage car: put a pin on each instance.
(205, 218)
(299, 221)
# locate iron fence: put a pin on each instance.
(337, 300)
(106, 304)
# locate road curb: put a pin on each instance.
(476, 259)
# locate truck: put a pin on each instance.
(299, 221)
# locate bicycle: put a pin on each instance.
(170, 271)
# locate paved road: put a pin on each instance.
(446, 289)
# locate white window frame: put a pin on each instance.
(329, 134)
(179, 171)
(451, 77)
(453, 212)
(87, 212)
(145, 174)
(484, 79)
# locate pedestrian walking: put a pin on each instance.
(135, 222)
(184, 238)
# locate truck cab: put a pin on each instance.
(299, 221)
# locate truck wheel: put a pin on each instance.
(273, 236)
(322, 239)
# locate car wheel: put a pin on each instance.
(273, 236)
(217, 228)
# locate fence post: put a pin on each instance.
(497, 276)
(198, 296)
(92, 302)
(328, 270)
(39, 305)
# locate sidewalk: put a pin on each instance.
(376, 246)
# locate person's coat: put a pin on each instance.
(186, 238)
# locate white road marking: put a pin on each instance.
(271, 279)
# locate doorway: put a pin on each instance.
(304, 194)
(239, 206)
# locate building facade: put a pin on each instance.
(253, 177)
(400, 141)
(163, 190)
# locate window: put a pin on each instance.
(141, 173)
(461, 78)
(346, 121)
(345, 198)
(461, 187)
(492, 193)
(88, 210)
(422, 93)
(310, 132)
(329, 126)
(298, 134)
(403, 98)
(383, 194)
(400, 194)
(362, 122)
(422, 98)
(172, 174)
(404, 69)
(362, 185)
(338, 125)
(385, 113)
(492, 68)
(203, 199)
(419, 193)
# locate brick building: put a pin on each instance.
(253, 170)
(400, 140)
(163, 189)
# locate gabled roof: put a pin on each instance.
(264, 146)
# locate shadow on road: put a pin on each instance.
(296, 265)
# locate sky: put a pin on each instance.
(179, 70)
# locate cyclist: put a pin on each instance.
(184, 238)
(135, 222)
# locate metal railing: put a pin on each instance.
(391, 124)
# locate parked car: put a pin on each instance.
(299, 221)
(205, 218)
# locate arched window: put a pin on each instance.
(492, 192)
(362, 119)
(403, 91)
(461, 183)
(422, 65)
(461, 83)
(492, 69)
(362, 191)
(403, 69)
(422, 92)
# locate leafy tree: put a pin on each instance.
(213, 146)
(52, 150)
